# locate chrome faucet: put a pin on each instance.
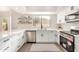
(41, 23)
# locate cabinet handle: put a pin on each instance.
(18, 46)
(19, 39)
(51, 31)
(6, 48)
(42, 35)
(55, 35)
(5, 40)
(22, 37)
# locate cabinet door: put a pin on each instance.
(6, 47)
(42, 36)
(61, 18)
(38, 36)
(14, 42)
(51, 36)
(56, 36)
(76, 47)
(45, 36)
(21, 41)
(77, 44)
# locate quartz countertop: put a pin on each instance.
(7, 34)
(15, 31)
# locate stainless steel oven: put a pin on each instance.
(67, 41)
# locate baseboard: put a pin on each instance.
(45, 42)
(30, 42)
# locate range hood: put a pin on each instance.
(74, 17)
(75, 13)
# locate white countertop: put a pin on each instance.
(15, 31)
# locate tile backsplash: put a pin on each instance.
(69, 26)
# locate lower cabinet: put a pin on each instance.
(46, 36)
(17, 41)
(41, 36)
(6, 48)
(76, 44)
(14, 43)
(77, 48)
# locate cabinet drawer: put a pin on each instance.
(76, 41)
(20, 43)
(17, 42)
(6, 47)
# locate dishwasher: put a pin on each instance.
(31, 36)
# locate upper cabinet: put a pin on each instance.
(60, 18)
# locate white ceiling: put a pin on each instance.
(24, 9)
(41, 9)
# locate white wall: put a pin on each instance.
(14, 17)
(68, 26)
(53, 21)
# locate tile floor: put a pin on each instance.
(40, 48)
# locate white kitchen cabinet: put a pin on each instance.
(51, 36)
(6, 47)
(61, 18)
(77, 48)
(5, 44)
(17, 41)
(13, 42)
(46, 36)
(41, 36)
(21, 41)
(58, 37)
(76, 44)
